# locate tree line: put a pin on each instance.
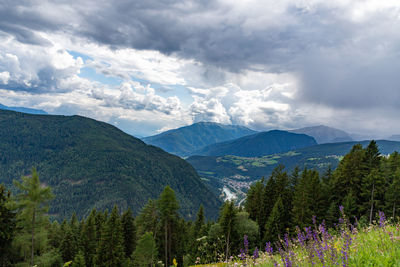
(364, 183)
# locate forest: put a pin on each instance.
(364, 186)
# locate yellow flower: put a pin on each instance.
(174, 262)
(336, 246)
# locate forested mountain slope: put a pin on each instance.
(259, 144)
(93, 164)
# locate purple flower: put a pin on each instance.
(382, 219)
(268, 248)
(341, 208)
(246, 244)
(287, 241)
(242, 255)
(255, 253)
(346, 248)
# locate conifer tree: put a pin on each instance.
(347, 177)
(283, 191)
(148, 219)
(111, 251)
(294, 177)
(79, 260)
(254, 200)
(372, 181)
(55, 235)
(392, 196)
(145, 253)
(100, 221)
(199, 221)
(69, 245)
(307, 199)
(32, 203)
(269, 199)
(168, 207)
(276, 221)
(302, 202)
(129, 232)
(7, 225)
(270, 196)
(350, 205)
(227, 222)
(89, 241)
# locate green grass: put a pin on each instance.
(371, 246)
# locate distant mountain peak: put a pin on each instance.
(185, 140)
(325, 134)
(24, 110)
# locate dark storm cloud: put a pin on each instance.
(340, 62)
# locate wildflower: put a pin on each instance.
(287, 240)
(341, 208)
(336, 245)
(255, 254)
(242, 255)
(268, 248)
(382, 219)
(174, 262)
(246, 244)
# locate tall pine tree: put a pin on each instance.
(168, 207)
(129, 232)
(7, 226)
(111, 250)
(32, 203)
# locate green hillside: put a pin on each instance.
(185, 140)
(93, 164)
(259, 144)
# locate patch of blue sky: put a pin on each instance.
(77, 54)
(91, 74)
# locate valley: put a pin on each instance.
(238, 173)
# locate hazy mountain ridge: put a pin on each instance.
(93, 164)
(324, 134)
(259, 144)
(24, 110)
(185, 140)
(395, 137)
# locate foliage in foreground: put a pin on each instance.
(345, 245)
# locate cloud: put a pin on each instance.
(259, 63)
(4, 77)
(258, 108)
(37, 68)
(137, 97)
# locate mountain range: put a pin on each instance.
(259, 144)
(90, 164)
(24, 110)
(204, 138)
(185, 140)
(395, 137)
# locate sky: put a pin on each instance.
(149, 66)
